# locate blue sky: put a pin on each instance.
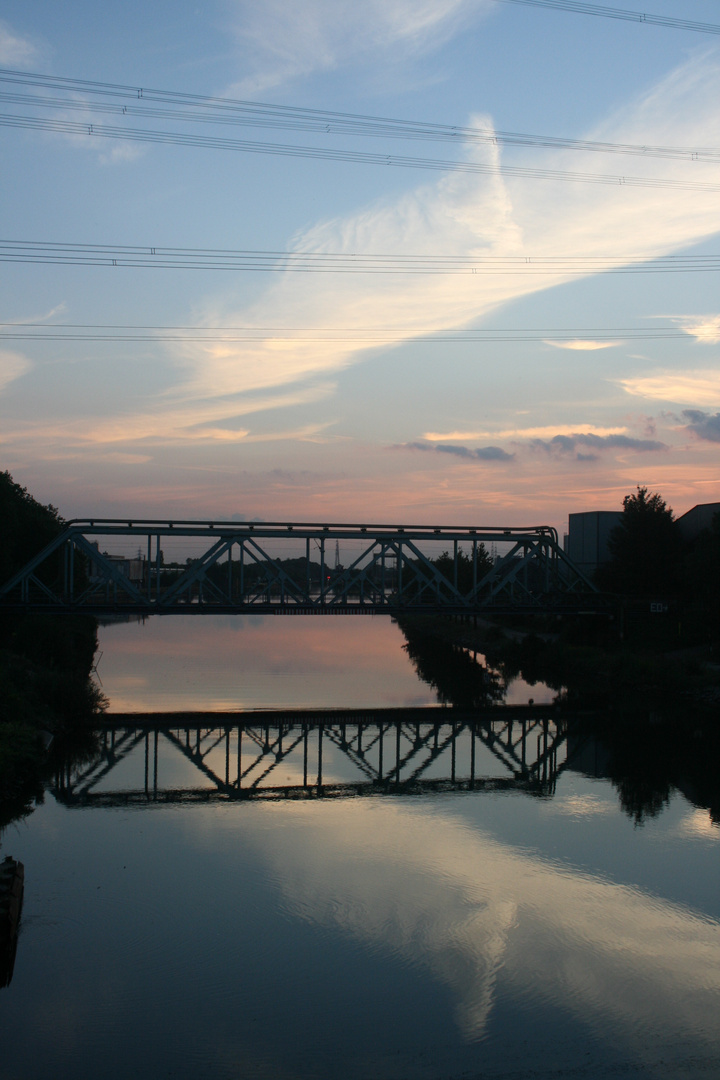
(350, 396)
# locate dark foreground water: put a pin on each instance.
(357, 894)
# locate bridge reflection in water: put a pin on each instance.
(205, 757)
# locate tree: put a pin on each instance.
(702, 582)
(645, 548)
(26, 526)
(446, 565)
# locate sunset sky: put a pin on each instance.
(506, 372)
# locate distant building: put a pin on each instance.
(586, 542)
(697, 520)
(132, 569)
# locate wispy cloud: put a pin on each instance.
(220, 384)
(694, 387)
(282, 40)
(581, 345)
(15, 51)
(44, 316)
(112, 457)
(704, 425)
(122, 154)
(465, 214)
(12, 366)
(546, 432)
(173, 421)
(704, 328)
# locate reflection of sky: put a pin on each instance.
(246, 662)
(250, 662)
(353, 938)
(434, 892)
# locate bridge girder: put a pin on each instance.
(392, 571)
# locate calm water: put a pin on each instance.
(343, 895)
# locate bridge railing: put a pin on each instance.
(295, 567)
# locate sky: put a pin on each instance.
(509, 331)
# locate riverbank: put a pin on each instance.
(583, 672)
(48, 695)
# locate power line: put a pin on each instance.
(620, 13)
(34, 331)
(319, 262)
(136, 101)
(210, 142)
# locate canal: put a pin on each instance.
(287, 854)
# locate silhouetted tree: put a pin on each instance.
(645, 548)
(445, 564)
(26, 526)
(701, 582)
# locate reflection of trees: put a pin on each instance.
(648, 758)
(26, 772)
(647, 752)
(456, 676)
(640, 798)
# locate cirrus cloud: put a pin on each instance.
(581, 345)
(704, 328)
(289, 40)
(694, 387)
(15, 51)
(12, 366)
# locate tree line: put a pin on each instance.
(650, 561)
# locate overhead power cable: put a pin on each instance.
(209, 142)
(620, 13)
(138, 101)
(325, 262)
(35, 331)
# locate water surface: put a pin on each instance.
(437, 896)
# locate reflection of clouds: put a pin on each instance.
(234, 662)
(581, 806)
(433, 892)
(699, 824)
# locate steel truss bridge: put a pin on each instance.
(246, 568)
(268, 756)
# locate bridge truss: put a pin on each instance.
(269, 758)
(288, 568)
